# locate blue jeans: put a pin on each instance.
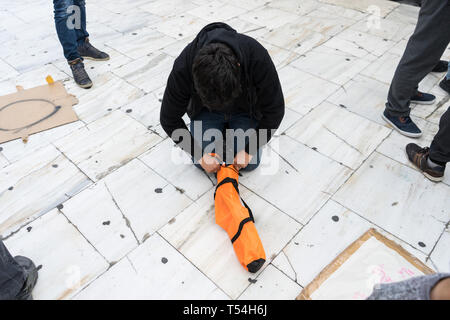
(448, 72)
(70, 21)
(12, 276)
(220, 122)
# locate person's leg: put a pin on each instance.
(424, 49)
(432, 161)
(66, 23)
(240, 124)
(448, 72)
(445, 83)
(440, 147)
(85, 48)
(207, 129)
(12, 275)
(81, 32)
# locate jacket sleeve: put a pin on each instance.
(174, 105)
(270, 100)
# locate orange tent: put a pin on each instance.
(237, 220)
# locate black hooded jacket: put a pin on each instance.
(262, 96)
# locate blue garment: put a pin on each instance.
(12, 276)
(219, 122)
(448, 72)
(70, 21)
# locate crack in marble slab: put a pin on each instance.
(127, 221)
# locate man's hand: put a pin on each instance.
(209, 164)
(242, 160)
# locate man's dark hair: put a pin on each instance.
(217, 76)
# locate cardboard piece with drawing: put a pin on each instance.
(372, 259)
(34, 110)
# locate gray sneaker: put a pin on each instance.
(79, 74)
(88, 51)
(31, 277)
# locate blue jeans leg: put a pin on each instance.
(12, 277)
(207, 129)
(448, 72)
(70, 21)
(244, 122)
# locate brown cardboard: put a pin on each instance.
(34, 110)
(336, 263)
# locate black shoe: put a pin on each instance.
(445, 85)
(419, 156)
(31, 277)
(423, 98)
(403, 125)
(442, 66)
(88, 51)
(79, 74)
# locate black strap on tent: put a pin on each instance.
(243, 222)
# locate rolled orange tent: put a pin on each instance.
(237, 220)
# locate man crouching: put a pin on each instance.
(228, 85)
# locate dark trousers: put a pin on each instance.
(424, 50)
(70, 21)
(214, 125)
(12, 277)
(440, 147)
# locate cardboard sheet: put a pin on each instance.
(370, 260)
(34, 110)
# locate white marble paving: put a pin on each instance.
(106, 144)
(331, 64)
(363, 96)
(297, 7)
(68, 261)
(269, 17)
(169, 8)
(296, 167)
(280, 56)
(35, 185)
(146, 200)
(404, 13)
(181, 26)
(154, 271)
(135, 218)
(3, 161)
(176, 166)
(295, 37)
(383, 68)
(131, 20)
(139, 43)
(303, 91)
(402, 202)
(195, 234)
(385, 7)
(386, 29)
(101, 100)
(16, 149)
(272, 284)
(315, 244)
(441, 253)
(7, 71)
(98, 218)
(148, 73)
(339, 134)
(36, 77)
(360, 44)
(216, 11)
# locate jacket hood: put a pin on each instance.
(218, 32)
